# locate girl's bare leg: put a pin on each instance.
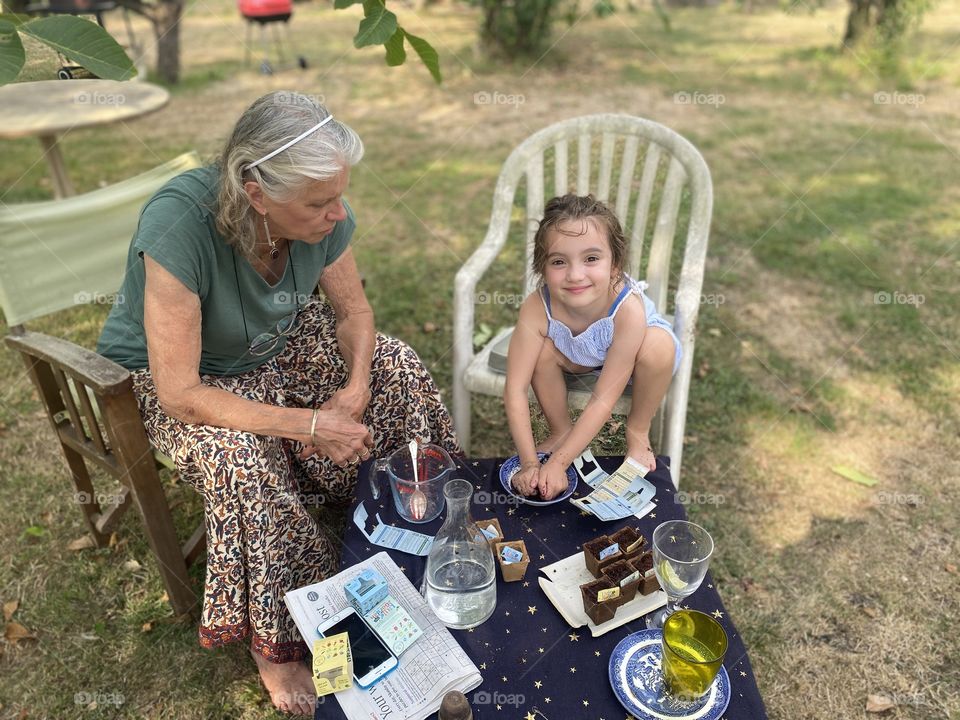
(651, 379)
(551, 391)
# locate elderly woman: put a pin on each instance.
(264, 396)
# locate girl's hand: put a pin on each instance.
(552, 480)
(526, 480)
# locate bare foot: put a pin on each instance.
(289, 684)
(638, 448)
(552, 442)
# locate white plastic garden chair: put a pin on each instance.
(670, 167)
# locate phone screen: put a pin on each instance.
(368, 652)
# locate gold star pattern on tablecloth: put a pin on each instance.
(717, 613)
(538, 684)
(530, 716)
(531, 609)
(574, 637)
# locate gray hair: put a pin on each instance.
(274, 119)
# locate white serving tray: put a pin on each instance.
(562, 587)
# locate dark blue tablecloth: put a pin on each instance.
(530, 658)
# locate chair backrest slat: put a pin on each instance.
(606, 167)
(647, 181)
(560, 182)
(583, 163)
(625, 184)
(535, 202)
(661, 247)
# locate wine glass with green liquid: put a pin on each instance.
(681, 556)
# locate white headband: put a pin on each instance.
(283, 147)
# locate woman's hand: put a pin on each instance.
(526, 479)
(552, 480)
(340, 438)
(350, 400)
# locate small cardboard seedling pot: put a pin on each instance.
(616, 572)
(648, 578)
(598, 612)
(486, 522)
(512, 571)
(626, 537)
(591, 555)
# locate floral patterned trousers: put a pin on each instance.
(261, 539)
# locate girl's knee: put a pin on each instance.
(658, 350)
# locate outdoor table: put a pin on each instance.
(526, 649)
(48, 108)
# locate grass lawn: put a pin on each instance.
(825, 196)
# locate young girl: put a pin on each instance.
(588, 315)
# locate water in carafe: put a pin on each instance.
(461, 580)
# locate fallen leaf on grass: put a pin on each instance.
(703, 369)
(854, 475)
(132, 565)
(82, 543)
(870, 611)
(146, 627)
(714, 331)
(9, 608)
(429, 327)
(879, 703)
(950, 568)
(615, 426)
(15, 632)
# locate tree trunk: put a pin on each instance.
(859, 21)
(166, 24)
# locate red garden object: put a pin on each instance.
(269, 12)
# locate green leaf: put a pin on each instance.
(13, 18)
(395, 52)
(427, 54)
(377, 27)
(854, 475)
(84, 42)
(341, 4)
(12, 55)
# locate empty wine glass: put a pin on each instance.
(681, 555)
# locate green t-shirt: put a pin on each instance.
(178, 230)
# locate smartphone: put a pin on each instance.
(372, 660)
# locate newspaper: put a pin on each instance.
(435, 665)
(617, 496)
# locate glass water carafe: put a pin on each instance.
(461, 577)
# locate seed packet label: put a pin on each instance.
(393, 624)
(608, 594)
(649, 573)
(511, 555)
(632, 577)
(634, 545)
(490, 532)
(332, 664)
(608, 551)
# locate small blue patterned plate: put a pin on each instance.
(512, 465)
(637, 683)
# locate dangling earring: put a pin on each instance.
(274, 250)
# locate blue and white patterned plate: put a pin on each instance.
(638, 684)
(512, 465)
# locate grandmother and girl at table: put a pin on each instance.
(261, 392)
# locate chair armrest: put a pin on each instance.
(103, 376)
